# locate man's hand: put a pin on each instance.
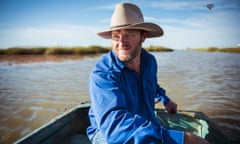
(190, 138)
(171, 107)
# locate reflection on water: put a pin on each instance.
(31, 94)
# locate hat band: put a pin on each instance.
(120, 26)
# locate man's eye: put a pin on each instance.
(129, 35)
(115, 37)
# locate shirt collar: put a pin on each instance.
(118, 63)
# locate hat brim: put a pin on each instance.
(151, 29)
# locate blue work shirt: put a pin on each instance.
(122, 103)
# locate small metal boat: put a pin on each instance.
(70, 128)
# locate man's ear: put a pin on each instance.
(143, 36)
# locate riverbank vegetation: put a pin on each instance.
(216, 49)
(158, 48)
(78, 50)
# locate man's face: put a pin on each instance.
(127, 44)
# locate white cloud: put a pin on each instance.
(214, 28)
(182, 38)
(179, 5)
(62, 35)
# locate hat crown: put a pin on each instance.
(126, 14)
(129, 16)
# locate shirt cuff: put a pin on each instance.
(163, 99)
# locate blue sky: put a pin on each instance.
(186, 23)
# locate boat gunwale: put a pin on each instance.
(53, 122)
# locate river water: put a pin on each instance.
(33, 93)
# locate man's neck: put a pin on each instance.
(135, 64)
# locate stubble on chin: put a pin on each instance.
(124, 58)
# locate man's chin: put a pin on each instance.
(124, 58)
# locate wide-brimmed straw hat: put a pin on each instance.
(129, 16)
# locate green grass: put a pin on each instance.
(216, 49)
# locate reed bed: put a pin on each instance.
(158, 48)
(78, 50)
(216, 49)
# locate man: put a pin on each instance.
(123, 86)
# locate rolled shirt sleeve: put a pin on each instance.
(161, 96)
